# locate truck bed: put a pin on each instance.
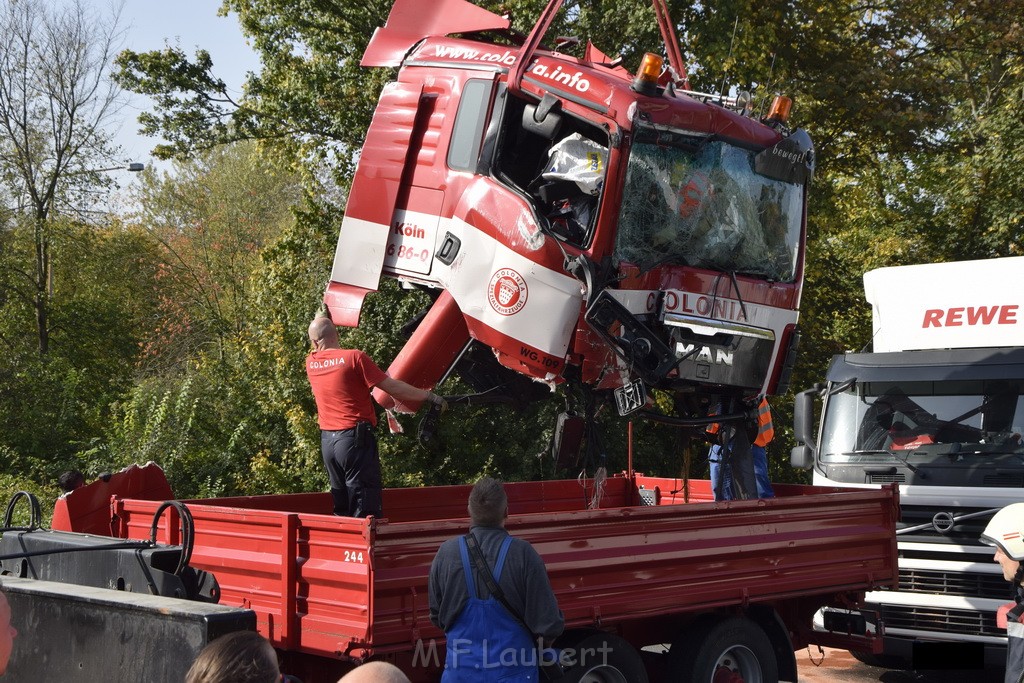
(342, 587)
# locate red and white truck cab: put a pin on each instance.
(580, 223)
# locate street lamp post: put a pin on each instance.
(133, 167)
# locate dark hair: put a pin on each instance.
(488, 503)
(239, 657)
(70, 480)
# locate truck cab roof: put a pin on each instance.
(929, 366)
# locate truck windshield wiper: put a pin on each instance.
(901, 456)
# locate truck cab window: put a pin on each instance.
(936, 418)
(468, 130)
(701, 202)
(562, 175)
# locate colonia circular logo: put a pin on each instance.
(507, 292)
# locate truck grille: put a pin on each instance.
(965, 532)
(940, 620)
(949, 583)
(1005, 480)
(887, 478)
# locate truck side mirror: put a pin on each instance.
(802, 455)
(544, 118)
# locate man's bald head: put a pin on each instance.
(323, 333)
(375, 672)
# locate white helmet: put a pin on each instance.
(1006, 531)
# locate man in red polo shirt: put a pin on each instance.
(342, 380)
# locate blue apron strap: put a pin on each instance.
(501, 557)
(467, 569)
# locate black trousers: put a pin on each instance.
(353, 465)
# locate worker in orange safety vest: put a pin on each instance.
(730, 460)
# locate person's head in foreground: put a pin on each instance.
(375, 672)
(488, 504)
(239, 657)
(1006, 532)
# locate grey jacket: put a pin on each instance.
(524, 580)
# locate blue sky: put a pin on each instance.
(189, 24)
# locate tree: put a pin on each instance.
(56, 108)
(310, 55)
(53, 406)
(212, 217)
(197, 406)
(914, 109)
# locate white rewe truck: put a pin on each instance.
(938, 408)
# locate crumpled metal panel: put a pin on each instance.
(411, 21)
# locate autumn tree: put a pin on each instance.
(195, 408)
(212, 217)
(57, 111)
(914, 109)
(55, 407)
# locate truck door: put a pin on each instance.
(362, 244)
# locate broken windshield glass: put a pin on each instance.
(700, 202)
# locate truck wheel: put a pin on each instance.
(734, 650)
(599, 657)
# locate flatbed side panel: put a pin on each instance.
(335, 599)
(307, 577)
(686, 558)
(314, 503)
(449, 502)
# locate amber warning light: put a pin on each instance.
(780, 109)
(646, 81)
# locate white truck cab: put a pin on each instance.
(937, 408)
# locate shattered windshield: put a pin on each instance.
(950, 417)
(699, 202)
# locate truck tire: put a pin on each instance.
(599, 657)
(734, 650)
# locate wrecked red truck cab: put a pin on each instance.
(575, 222)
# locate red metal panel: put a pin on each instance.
(344, 302)
(87, 509)
(288, 567)
(412, 20)
(441, 336)
(335, 575)
(354, 587)
(359, 256)
(687, 557)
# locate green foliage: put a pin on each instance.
(200, 428)
(203, 406)
(14, 484)
(185, 344)
(53, 406)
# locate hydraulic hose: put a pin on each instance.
(188, 531)
(36, 517)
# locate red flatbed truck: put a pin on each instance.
(696, 585)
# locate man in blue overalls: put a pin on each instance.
(485, 642)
